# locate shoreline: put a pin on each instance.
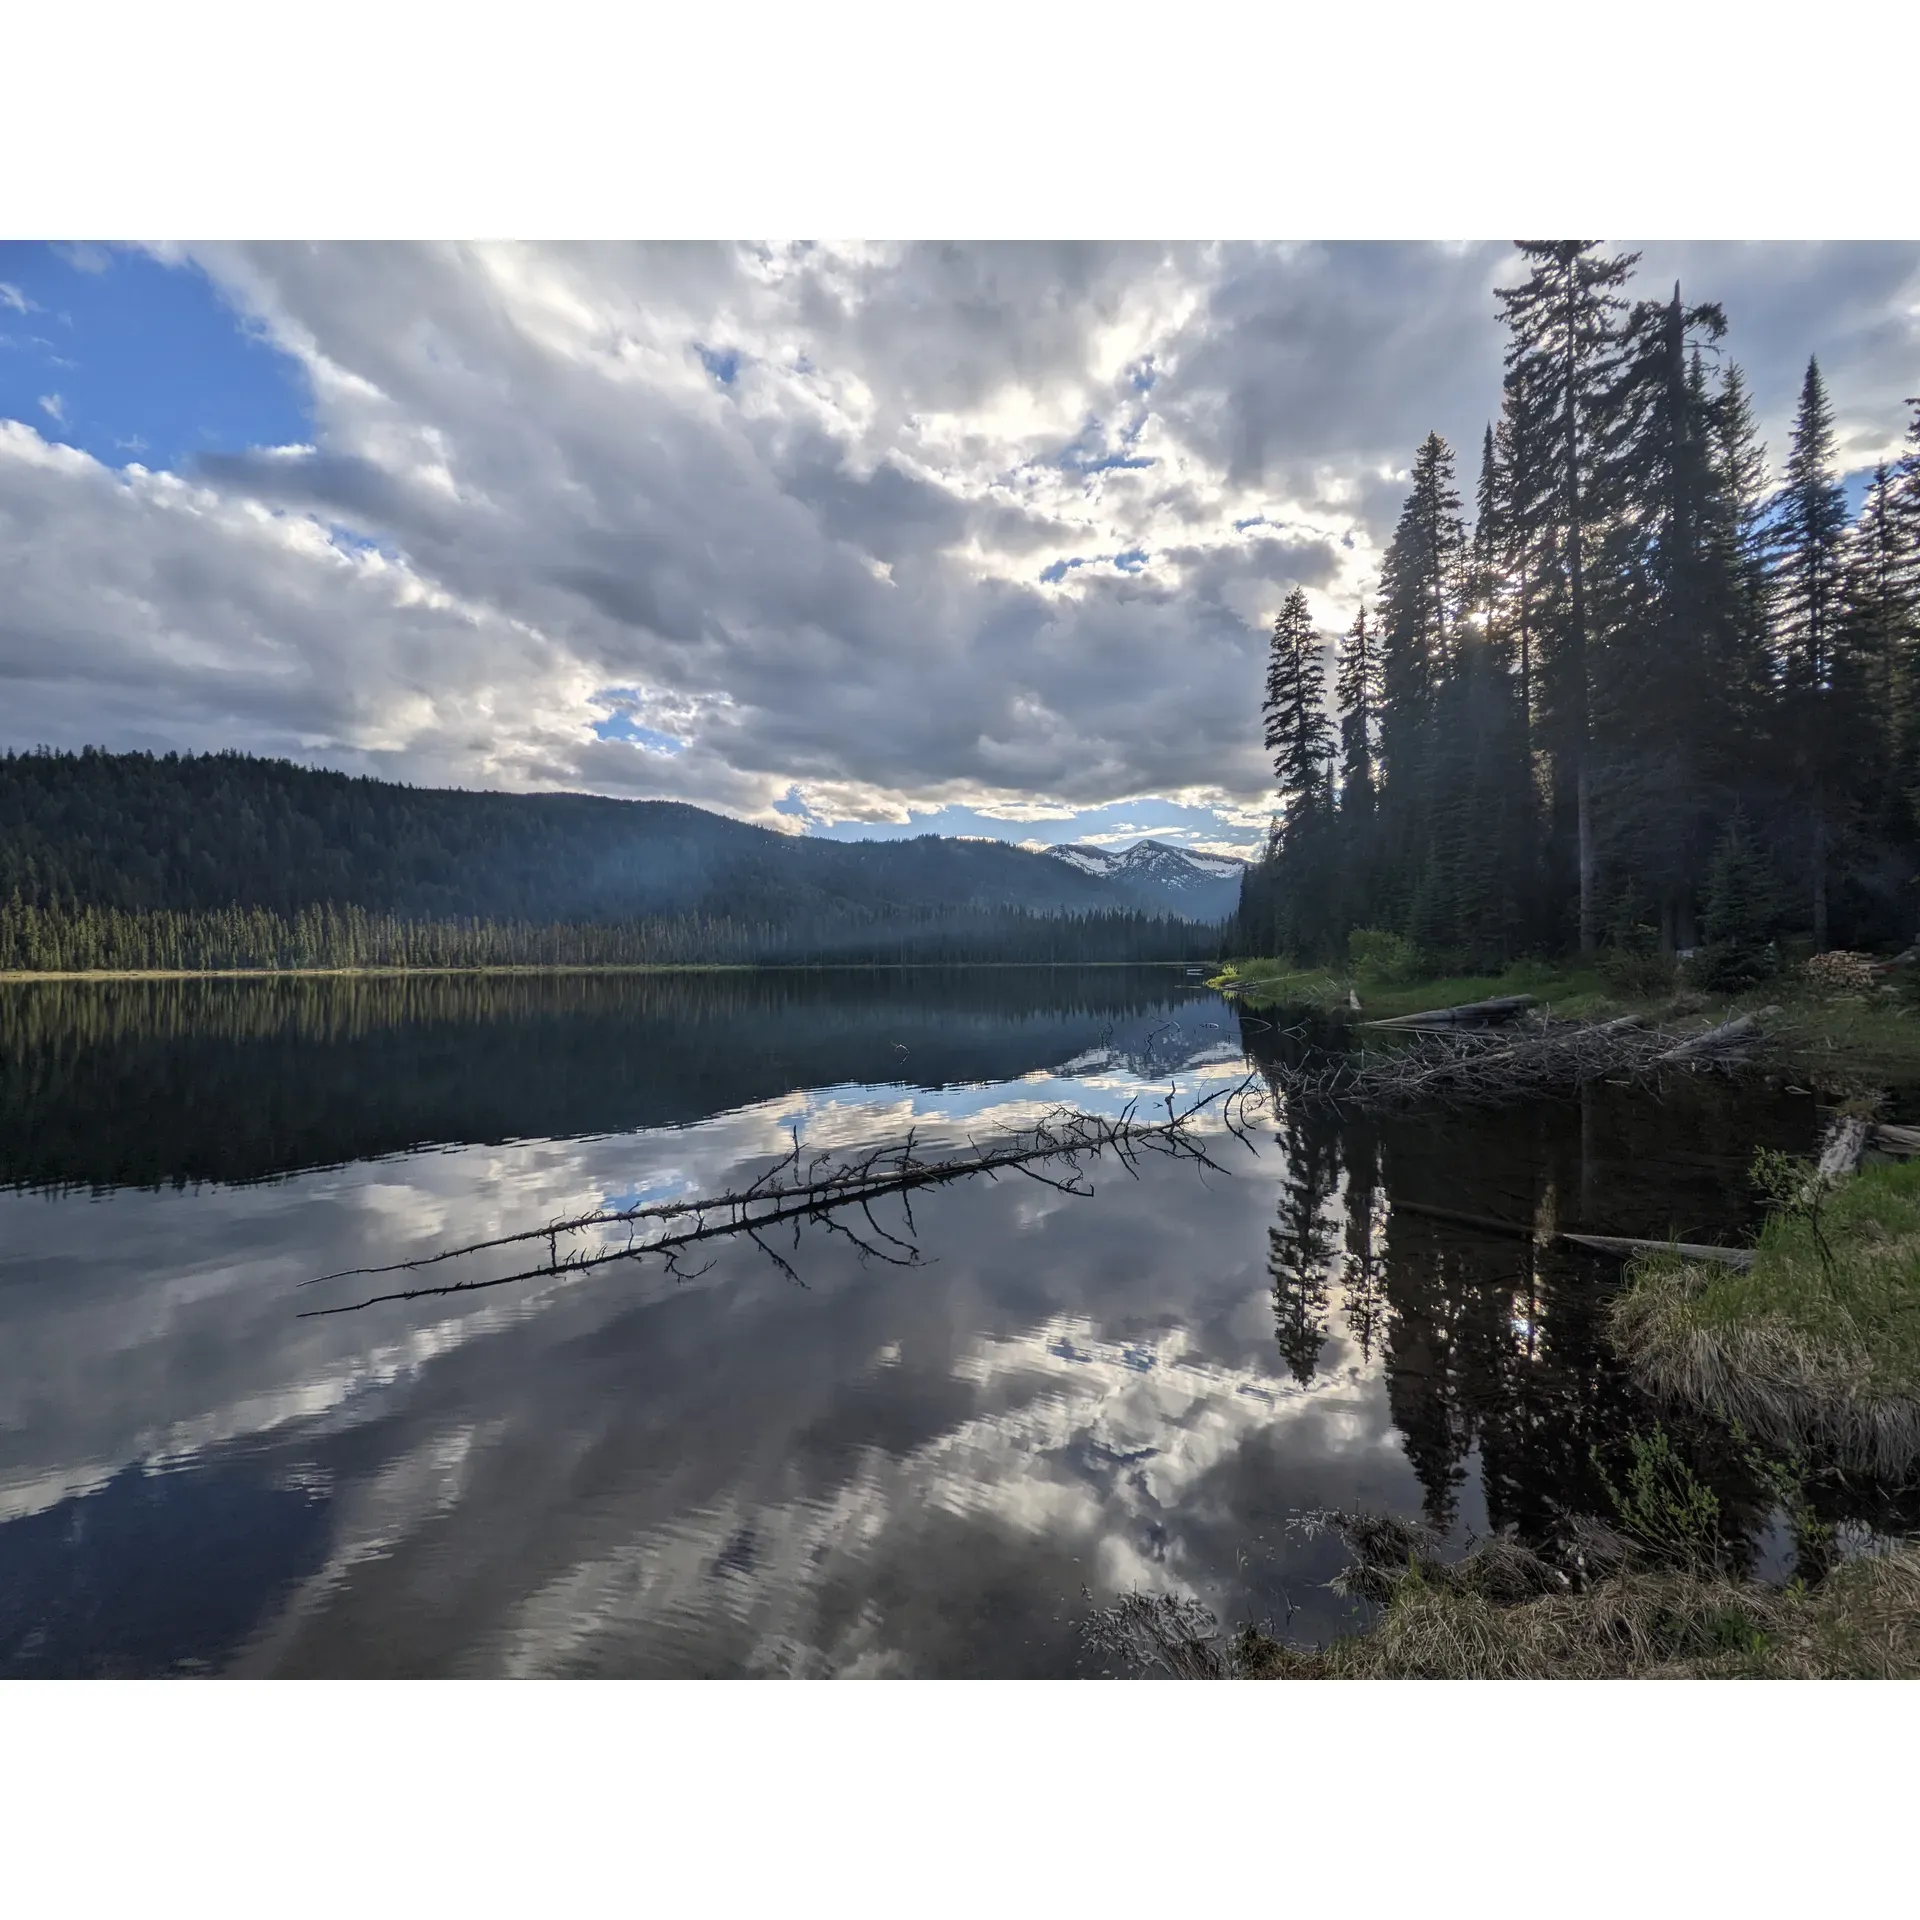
(20, 977)
(1809, 1030)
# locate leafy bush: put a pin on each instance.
(1663, 1505)
(1383, 959)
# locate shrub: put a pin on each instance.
(1643, 975)
(1384, 959)
(1726, 967)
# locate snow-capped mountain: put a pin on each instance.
(1197, 886)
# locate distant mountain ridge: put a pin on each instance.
(1197, 886)
(195, 833)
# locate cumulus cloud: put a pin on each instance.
(863, 531)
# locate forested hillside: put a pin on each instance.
(1644, 698)
(222, 830)
(125, 861)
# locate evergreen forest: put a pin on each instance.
(1643, 699)
(135, 862)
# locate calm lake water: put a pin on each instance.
(879, 1471)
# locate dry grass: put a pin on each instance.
(1800, 1353)
(1862, 1622)
(1600, 1611)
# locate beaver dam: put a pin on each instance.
(1495, 1051)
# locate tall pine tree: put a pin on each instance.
(1810, 531)
(1562, 356)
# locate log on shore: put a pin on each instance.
(1840, 1152)
(1470, 1013)
(1729, 1033)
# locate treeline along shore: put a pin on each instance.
(1650, 700)
(42, 940)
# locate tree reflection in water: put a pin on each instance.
(1493, 1346)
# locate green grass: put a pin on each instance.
(1801, 1350)
(1575, 991)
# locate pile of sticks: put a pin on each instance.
(837, 1194)
(1468, 1066)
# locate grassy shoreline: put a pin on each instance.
(1816, 1345)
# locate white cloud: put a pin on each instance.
(804, 496)
(54, 407)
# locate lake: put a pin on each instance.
(864, 1470)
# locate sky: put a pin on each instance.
(854, 540)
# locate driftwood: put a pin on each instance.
(1840, 1152)
(1729, 1033)
(1472, 1013)
(1473, 1067)
(822, 1191)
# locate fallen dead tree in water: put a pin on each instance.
(1596, 1242)
(1470, 1066)
(824, 1191)
(1473, 1013)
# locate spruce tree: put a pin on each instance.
(1300, 868)
(1662, 600)
(1422, 587)
(1739, 534)
(1486, 587)
(1810, 531)
(1357, 689)
(1877, 628)
(1561, 362)
(1297, 731)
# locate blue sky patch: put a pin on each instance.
(620, 723)
(1089, 451)
(111, 351)
(722, 362)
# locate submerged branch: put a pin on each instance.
(822, 1190)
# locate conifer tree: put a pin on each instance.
(1662, 602)
(1561, 362)
(1299, 871)
(1297, 731)
(1357, 689)
(1810, 531)
(1878, 624)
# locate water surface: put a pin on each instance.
(878, 1471)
